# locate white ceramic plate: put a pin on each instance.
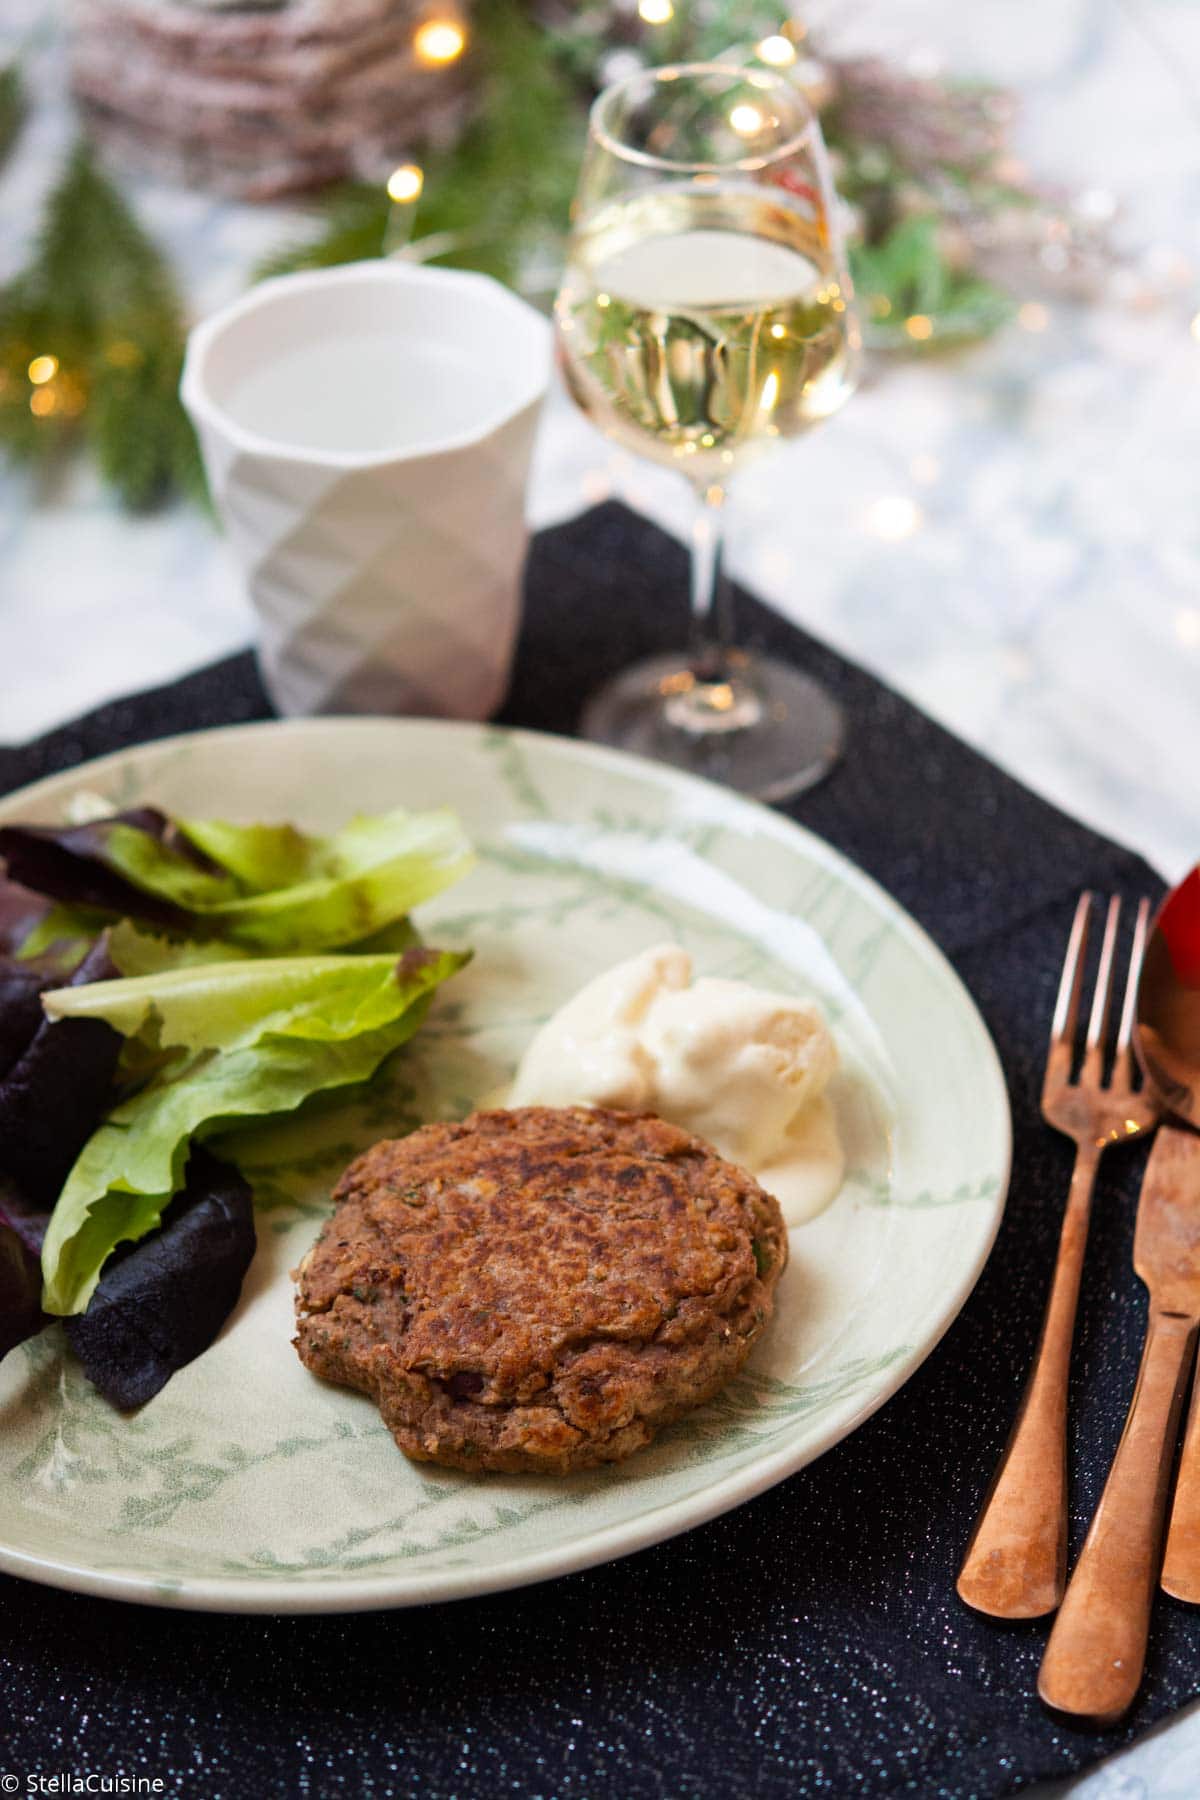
(247, 1485)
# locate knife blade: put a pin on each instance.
(1094, 1660)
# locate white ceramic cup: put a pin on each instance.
(366, 431)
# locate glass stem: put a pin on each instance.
(711, 623)
(715, 694)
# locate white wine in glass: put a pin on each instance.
(705, 313)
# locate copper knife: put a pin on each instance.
(1097, 1649)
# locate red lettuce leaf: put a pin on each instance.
(21, 1016)
(70, 864)
(162, 1301)
(21, 1233)
(20, 910)
(23, 980)
(53, 1095)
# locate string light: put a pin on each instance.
(1187, 627)
(439, 41)
(656, 12)
(893, 517)
(919, 327)
(60, 393)
(777, 50)
(1033, 316)
(746, 119)
(1195, 328)
(405, 183)
(43, 369)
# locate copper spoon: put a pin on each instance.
(1168, 1045)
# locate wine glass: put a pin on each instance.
(706, 311)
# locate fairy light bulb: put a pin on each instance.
(439, 41)
(656, 12)
(778, 51)
(405, 183)
(893, 517)
(746, 119)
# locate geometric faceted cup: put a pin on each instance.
(366, 433)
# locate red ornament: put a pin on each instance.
(1179, 922)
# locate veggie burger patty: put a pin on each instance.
(539, 1289)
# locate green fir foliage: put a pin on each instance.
(12, 106)
(907, 273)
(98, 298)
(499, 198)
(694, 33)
(355, 220)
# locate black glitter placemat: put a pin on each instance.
(810, 1642)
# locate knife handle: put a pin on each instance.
(1097, 1650)
(1181, 1562)
(1016, 1562)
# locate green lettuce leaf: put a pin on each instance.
(157, 865)
(138, 952)
(251, 1039)
(343, 888)
(269, 889)
(71, 930)
(261, 856)
(227, 1005)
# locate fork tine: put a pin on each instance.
(1123, 1064)
(1093, 1056)
(1066, 1007)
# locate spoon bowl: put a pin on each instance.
(1167, 1031)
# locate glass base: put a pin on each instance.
(794, 737)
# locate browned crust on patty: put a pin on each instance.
(539, 1289)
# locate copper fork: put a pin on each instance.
(1016, 1561)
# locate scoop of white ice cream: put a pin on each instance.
(590, 1053)
(728, 1061)
(737, 1065)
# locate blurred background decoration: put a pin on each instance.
(452, 132)
(255, 100)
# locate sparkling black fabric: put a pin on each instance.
(808, 1643)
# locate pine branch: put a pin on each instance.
(907, 276)
(692, 34)
(355, 218)
(504, 190)
(12, 106)
(91, 344)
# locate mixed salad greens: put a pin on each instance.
(161, 980)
